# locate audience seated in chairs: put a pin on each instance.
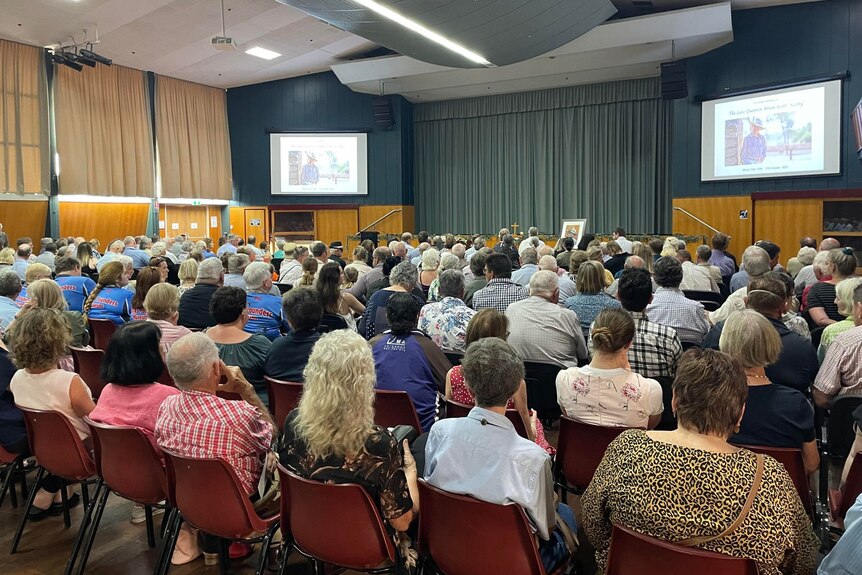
(808, 275)
(790, 318)
(796, 366)
(236, 264)
(703, 254)
(671, 308)
(541, 330)
(291, 267)
(844, 297)
(775, 415)
(147, 278)
(477, 267)
(402, 279)
(46, 294)
(198, 423)
(38, 340)
(236, 346)
(695, 277)
(804, 257)
(429, 269)
(195, 303)
(161, 264)
(110, 300)
(755, 260)
(529, 265)
(264, 308)
(75, 287)
(359, 257)
(331, 436)
(491, 323)
(13, 433)
(591, 297)
(333, 300)
(720, 258)
(643, 472)
(405, 359)
(289, 354)
(445, 322)
(501, 290)
(187, 274)
(361, 290)
(821, 307)
(840, 373)
(607, 392)
(10, 288)
(162, 306)
(655, 349)
(493, 373)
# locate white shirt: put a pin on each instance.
(543, 331)
(608, 397)
(526, 243)
(697, 278)
(624, 244)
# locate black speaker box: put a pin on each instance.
(373, 236)
(382, 112)
(673, 80)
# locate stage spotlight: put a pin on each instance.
(86, 61)
(96, 57)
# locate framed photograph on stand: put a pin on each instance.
(573, 229)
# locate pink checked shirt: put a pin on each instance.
(202, 425)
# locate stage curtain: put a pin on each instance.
(23, 120)
(599, 152)
(104, 134)
(192, 140)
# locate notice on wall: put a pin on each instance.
(213, 222)
(193, 225)
(175, 226)
(254, 222)
(161, 224)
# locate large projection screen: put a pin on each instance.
(319, 164)
(772, 134)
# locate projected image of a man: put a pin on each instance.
(310, 174)
(754, 144)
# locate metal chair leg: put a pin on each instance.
(285, 553)
(151, 536)
(169, 541)
(100, 503)
(163, 530)
(7, 481)
(264, 549)
(67, 516)
(85, 494)
(32, 496)
(223, 556)
(82, 531)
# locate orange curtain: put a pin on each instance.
(104, 137)
(192, 140)
(23, 120)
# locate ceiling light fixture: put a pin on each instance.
(263, 53)
(422, 30)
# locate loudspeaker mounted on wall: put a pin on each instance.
(673, 80)
(382, 111)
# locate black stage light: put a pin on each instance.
(93, 56)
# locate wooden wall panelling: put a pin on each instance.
(103, 221)
(24, 218)
(786, 221)
(185, 216)
(237, 220)
(336, 225)
(394, 224)
(722, 213)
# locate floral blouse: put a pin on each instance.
(445, 322)
(608, 397)
(377, 468)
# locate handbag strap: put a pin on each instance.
(755, 486)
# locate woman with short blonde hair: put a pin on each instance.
(45, 293)
(36, 271)
(162, 305)
(188, 273)
(331, 435)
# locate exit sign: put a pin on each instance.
(196, 202)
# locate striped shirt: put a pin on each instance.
(670, 307)
(202, 425)
(655, 349)
(499, 293)
(841, 372)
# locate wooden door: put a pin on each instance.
(255, 224)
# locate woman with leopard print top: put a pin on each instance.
(676, 485)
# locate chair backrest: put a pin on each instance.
(465, 536)
(56, 445)
(839, 426)
(393, 408)
(102, 330)
(276, 263)
(331, 322)
(580, 449)
(792, 461)
(193, 486)
(88, 364)
(7, 457)
(724, 291)
(336, 523)
(128, 463)
(283, 397)
(852, 486)
(541, 380)
(453, 356)
(165, 378)
(284, 288)
(633, 552)
(455, 409)
(711, 301)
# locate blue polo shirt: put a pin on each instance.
(140, 258)
(265, 315)
(76, 289)
(113, 303)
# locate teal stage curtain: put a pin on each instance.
(599, 152)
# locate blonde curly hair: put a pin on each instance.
(39, 338)
(336, 411)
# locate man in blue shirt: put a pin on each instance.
(845, 558)
(754, 144)
(74, 286)
(140, 258)
(482, 455)
(264, 309)
(22, 262)
(10, 287)
(229, 247)
(309, 174)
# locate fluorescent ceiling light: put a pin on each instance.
(420, 29)
(263, 53)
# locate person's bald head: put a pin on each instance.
(829, 244)
(459, 251)
(634, 262)
(548, 263)
(545, 250)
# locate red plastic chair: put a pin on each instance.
(393, 408)
(210, 497)
(130, 466)
(102, 330)
(165, 378)
(13, 464)
(840, 500)
(580, 449)
(88, 364)
(461, 535)
(632, 552)
(792, 461)
(456, 409)
(59, 450)
(283, 397)
(336, 524)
